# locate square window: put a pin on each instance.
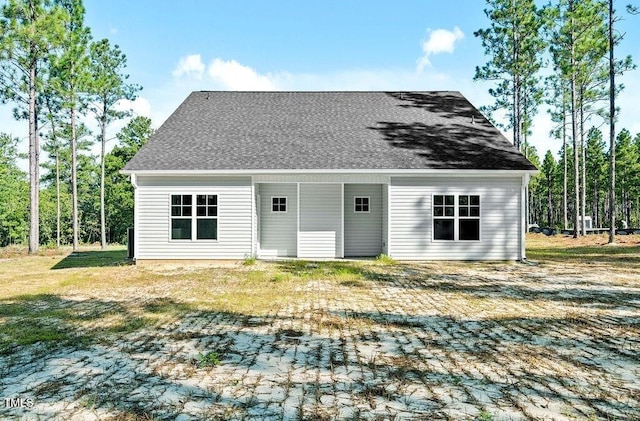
(443, 229)
(361, 204)
(278, 204)
(207, 229)
(181, 229)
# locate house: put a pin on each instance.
(415, 175)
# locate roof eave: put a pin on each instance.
(394, 172)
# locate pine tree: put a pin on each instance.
(70, 79)
(514, 47)
(29, 30)
(107, 88)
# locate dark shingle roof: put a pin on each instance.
(327, 130)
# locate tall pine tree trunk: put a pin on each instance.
(103, 233)
(583, 188)
(565, 187)
(57, 193)
(34, 163)
(612, 132)
(74, 180)
(574, 133)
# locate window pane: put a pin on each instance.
(439, 211)
(449, 200)
(274, 207)
(212, 200)
(201, 200)
(186, 211)
(463, 200)
(181, 229)
(464, 211)
(358, 201)
(438, 200)
(475, 212)
(449, 211)
(212, 211)
(201, 211)
(175, 199)
(186, 199)
(469, 229)
(443, 229)
(207, 229)
(475, 200)
(176, 211)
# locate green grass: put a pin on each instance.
(589, 249)
(384, 259)
(59, 298)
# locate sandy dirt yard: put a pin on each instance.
(88, 337)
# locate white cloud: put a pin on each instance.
(439, 41)
(140, 106)
(190, 65)
(234, 76)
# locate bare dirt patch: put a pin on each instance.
(349, 340)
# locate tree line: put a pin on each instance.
(61, 81)
(562, 55)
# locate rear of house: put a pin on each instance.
(323, 175)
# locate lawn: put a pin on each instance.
(90, 335)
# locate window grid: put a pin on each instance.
(361, 204)
(456, 220)
(183, 217)
(278, 204)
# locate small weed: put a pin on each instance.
(484, 416)
(280, 277)
(386, 260)
(210, 359)
(249, 260)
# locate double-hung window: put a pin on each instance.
(181, 216)
(187, 212)
(456, 217)
(207, 217)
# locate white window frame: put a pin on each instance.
(194, 218)
(286, 204)
(194, 233)
(368, 204)
(456, 217)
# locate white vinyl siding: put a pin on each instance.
(278, 229)
(154, 221)
(320, 221)
(411, 221)
(362, 230)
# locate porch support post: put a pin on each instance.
(297, 219)
(523, 217)
(342, 220)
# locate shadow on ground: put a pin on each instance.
(100, 258)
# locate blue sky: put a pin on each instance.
(176, 47)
